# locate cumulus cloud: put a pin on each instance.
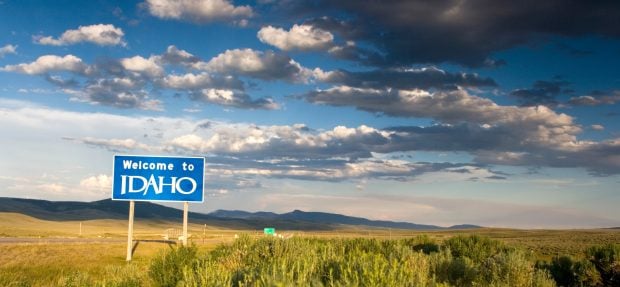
(99, 183)
(50, 63)
(596, 99)
(599, 158)
(547, 92)
(447, 106)
(541, 93)
(130, 82)
(463, 32)
(335, 171)
(299, 152)
(200, 81)
(139, 65)
(266, 65)
(511, 135)
(199, 11)
(422, 78)
(176, 56)
(8, 49)
(511, 145)
(285, 141)
(116, 92)
(100, 34)
(299, 37)
(231, 98)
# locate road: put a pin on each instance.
(65, 240)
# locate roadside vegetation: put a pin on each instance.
(461, 260)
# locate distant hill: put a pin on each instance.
(108, 209)
(321, 217)
(102, 209)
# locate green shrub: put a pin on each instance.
(474, 247)
(461, 271)
(480, 261)
(606, 260)
(542, 278)
(166, 269)
(569, 272)
(423, 243)
(586, 274)
(561, 268)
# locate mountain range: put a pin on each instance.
(108, 209)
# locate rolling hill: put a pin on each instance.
(108, 209)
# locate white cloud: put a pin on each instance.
(115, 92)
(342, 171)
(100, 34)
(100, 183)
(284, 141)
(8, 49)
(117, 144)
(597, 127)
(148, 67)
(176, 56)
(588, 100)
(49, 63)
(242, 60)
(299, 37)
(533, 125)
(51, 187)
(126, 82)
(201, 11)
(262, 65)
(235, 99)
(189, 110)
(188, 81)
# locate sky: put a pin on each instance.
(496, 113)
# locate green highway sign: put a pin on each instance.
(269, 231)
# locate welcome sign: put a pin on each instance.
(158, 178)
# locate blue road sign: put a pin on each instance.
(158, 178)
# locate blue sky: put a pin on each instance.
(446, 112)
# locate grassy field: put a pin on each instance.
(19, 225)
(43, 263)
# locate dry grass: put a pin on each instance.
(47, 262)
(19, 225)
(44, 264)
(44, 261)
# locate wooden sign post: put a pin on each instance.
(130, 231)
(185, 211)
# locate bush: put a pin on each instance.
(423, 243)
(480, 261)
(476, 248)
(568, 272)
(166, 268)
(606, 260)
